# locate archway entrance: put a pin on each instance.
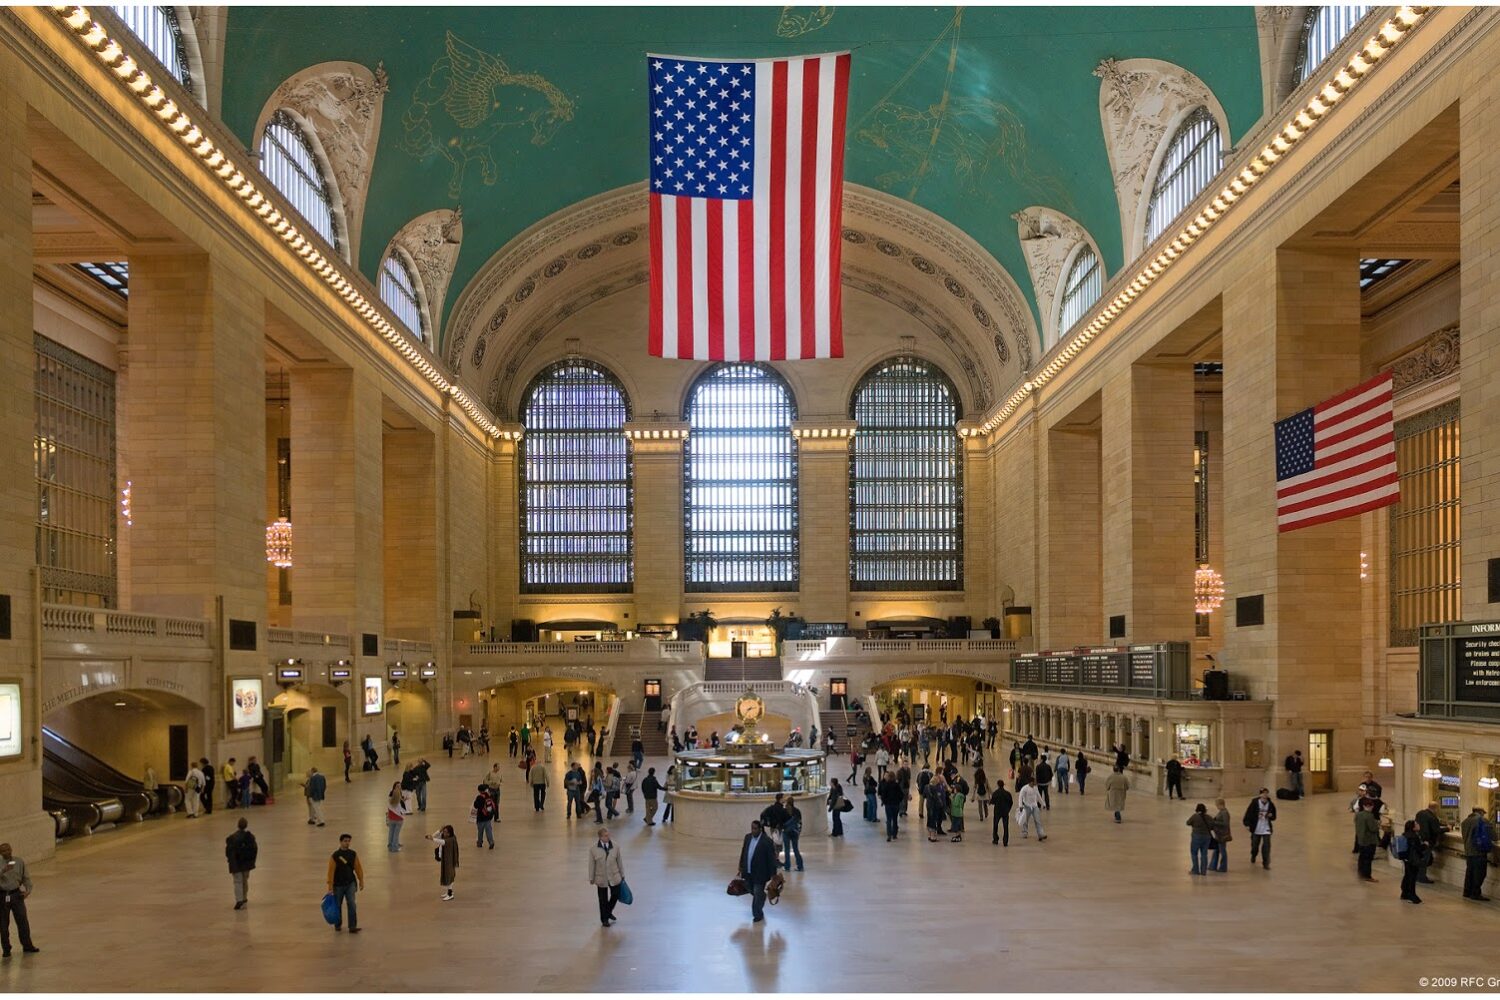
(536, 704)
(409, 710)
(316, 724)
(132, 729)
(935, 698)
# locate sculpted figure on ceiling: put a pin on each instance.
(432, 240)
(341, 102)
(1139, 99)
(1048, 239)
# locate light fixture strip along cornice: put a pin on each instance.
(137, 80)
(1338, 86)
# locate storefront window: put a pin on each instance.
(1192, 746)
(1443, 780)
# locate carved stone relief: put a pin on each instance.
(1436, 357)
(1138, 100)
(432, 240)
(342, 103)
(1048, 239)
(1278, 30)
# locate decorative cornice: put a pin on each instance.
(1435, 358)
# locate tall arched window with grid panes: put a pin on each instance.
(577, 493)
(288, 161)
(1080, 288)
(905, 480)
(740, 482)
(159, 29)
(1325, 30)
(400, 288)
(1192, 158)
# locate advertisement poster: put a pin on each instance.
(10, 720)
(374, 695)
(249, 708)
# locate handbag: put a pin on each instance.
(626, 896)
(331, 908)
(845, 806)
(737, 887)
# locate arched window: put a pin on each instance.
(1191, 161)
(287, 160)
(159, 31)
(905, 480)
(398, 289)
(740, 482)
(1081, 288)
(577, 494)
(1325, 29)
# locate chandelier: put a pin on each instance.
(279, 543)
(1208, 590)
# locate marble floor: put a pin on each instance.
(1098, 906)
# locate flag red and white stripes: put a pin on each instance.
(1338, 458)
(747, 171)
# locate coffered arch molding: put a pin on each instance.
(598, 248)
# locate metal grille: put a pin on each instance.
(577, 494)
(1325, 29)
(740, 482)
(112, 274)
(398, 289)
(1081, 289)
(158, 30)
(74, 451)
(905, 480)
(1424, 542)
(1375, 270)
(1193, 158)
(286, 158)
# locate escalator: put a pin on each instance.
(84, 794)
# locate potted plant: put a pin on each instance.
(993, 624)
(784, 626)
(697, 626)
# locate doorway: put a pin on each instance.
(838, 693)
(177, 753)
(1320, 760)
(653, 694)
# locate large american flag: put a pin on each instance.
(747, 178)
(1338, 458)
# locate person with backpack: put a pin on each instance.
(1479, 840)
(1081, 768)
(1411, 848)
(1000, 802)
(1044, 781)
(240, 851)
(1259, 818)
(483, 811)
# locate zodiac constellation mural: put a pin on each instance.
(796, 21)
(467, 99)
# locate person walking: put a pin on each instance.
(395, 815)
(492, 781)
(240, 850)
(1044, 781)
(483, 811)
(757, 866)
(982, 792)
(514, 741)
(1411, 849)
(421, 775)
(1259, 819)
(892, 799)
(612, 784)
(1081, 768)
(445, 851)
(791, 835)
(315, 788)
(1000, 803)
(1029, 810)
(574, 782)
(547, 745)
(192, 795)
(632, 777)
(606, 874)
(637, 751)
(395, 748)
(596, 792)
(882, 761)
(1218, 860)
(208, 786)
(539, 782)
(1293, 764)
(1115, 787)
(1479, 840)
(1174, 778)
(650, 792)
(346, 876)
(15, 886)
(903, 778)
(349, 761)
(872, 795)
(1061, 769)
(1366, 837)
(937, 807)
(1198, 841)
(956, 815)
(836, 807)
(666, 813)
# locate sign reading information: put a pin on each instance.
(1476, 668)
(1459, 673)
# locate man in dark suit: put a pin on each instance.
(757, 866)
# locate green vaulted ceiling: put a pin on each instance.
(970, 113)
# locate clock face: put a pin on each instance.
(749, 708)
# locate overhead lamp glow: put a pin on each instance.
(1385, 762)
(1432, 773)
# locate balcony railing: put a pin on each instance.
(66, 621)
(806, 649)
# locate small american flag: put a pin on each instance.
(747, 179)
(1338, 458)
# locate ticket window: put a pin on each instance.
(1191, 744)
(1443, 782)
(1489, 791)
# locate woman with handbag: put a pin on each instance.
(394, 817)
(445, 852)
(836, 803)
(606, 875)
(872, 790)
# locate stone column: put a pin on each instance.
(979, 530)
(505, 521)
(1291, 339)
(1479, 254)
(410, 524)
(1070, 565)
(22, 821)
(1146, 446)
(656, 447)
(338, 499)
(823, 507)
